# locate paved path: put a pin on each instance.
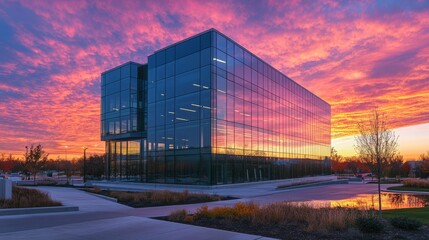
(241, 190)
(99, 218)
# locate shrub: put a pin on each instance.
(281, 213)
(178, 215)
(414, 182)
(405, 223)
(159, 198)
(369, 224)
(96, 190)
(315, 219)
(202, 213)
(24, 198)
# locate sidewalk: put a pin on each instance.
(240, 190)
(99, 218)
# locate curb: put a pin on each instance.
(35, 210)
(314, 184)
(102, 196)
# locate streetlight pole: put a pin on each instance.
(26, 161)
(84, 167)
(66, 150)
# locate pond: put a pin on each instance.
(370, 201)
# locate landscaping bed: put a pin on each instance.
(303, 183)
(384, 181)
(292, 221)
(28, 198)
(412, 184)
(155, 198)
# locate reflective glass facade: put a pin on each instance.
(123, 114)
(217, 114)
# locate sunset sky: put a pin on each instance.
(356, 55)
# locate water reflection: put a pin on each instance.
(370, 201)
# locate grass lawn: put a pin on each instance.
(155, 198)
(403, 188)
(421, 214)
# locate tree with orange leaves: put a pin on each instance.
(35, 159)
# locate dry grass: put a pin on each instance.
(159, 198)
(415, 182)
(25, 198)
(278, 214)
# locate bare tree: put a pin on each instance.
(376, 144)
(35, 159)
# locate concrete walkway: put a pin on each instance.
(240, 190)
(99, 218)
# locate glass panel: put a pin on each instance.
(238, 53)
(160, 113)
(160, 58)
(221, 106)
(113, 76)
(205, 104)
(160, 90)
(188, 63)
(133, 84)
(221, 43)
(169, 87)
(170, 112)
(134, 70)
(170, 54)
(151, 115)
(160, 72)
(125, 99)
(221, 84)
(170, 69)
(125, 84)
(205, 77)
(187, 47)
(230, 48)
(206, 40)
(187, 82)
(125, 71)
(187, 107)
(113, 88)
(205, 134)
(205, 57)
(220, 60)
(187, 135)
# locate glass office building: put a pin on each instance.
(210, 112)
(123, 124)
